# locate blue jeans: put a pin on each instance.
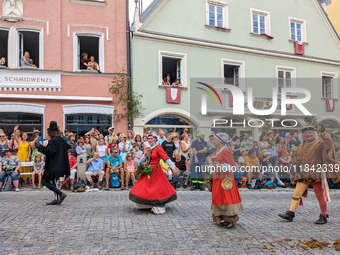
(197, 175)
(13, 175)
(238, 176)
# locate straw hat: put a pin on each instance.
(227, 183)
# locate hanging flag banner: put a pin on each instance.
(330, 105)
(173, 95)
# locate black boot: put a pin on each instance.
(200, 186)
(194, 186)
(288, 215)
(249, 186)
(322, 219)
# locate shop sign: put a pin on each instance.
(29, 79)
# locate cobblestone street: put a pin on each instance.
(107, 223)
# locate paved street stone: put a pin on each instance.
(107, 223)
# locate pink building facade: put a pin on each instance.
(56, 33)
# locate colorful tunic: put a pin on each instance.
(157, 190)
(23, 151)
(225, 202)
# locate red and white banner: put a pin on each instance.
(299, 48)
(173, 95)
(330, 105)
(289, 106)
(231, 99)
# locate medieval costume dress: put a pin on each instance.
(154, 191)
(226, 201)
(310, 158)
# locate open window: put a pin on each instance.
(3, 48)
(174, 65)
(29, 42)
(89, 45)
(327, 87)
(232, 74)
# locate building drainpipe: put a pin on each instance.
(129, 57)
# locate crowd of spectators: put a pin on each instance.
(120, 154)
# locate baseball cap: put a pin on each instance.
(66, 130)
(270, 131)
(111, 128)
(287, 134)
(335, 132)
(283, 151)
(266, 154)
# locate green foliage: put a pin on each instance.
(311, 121)
(267, 124)
(131, 101)
(142, 169)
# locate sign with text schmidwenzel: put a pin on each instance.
(29, 79)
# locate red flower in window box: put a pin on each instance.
(268, 36)
(224, 28)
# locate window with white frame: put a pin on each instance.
(88, 52)
(260, 22)
(285, 78)
(327, 87)
(297, 30)
(233, 72)
(172, 67)
(217, 13)
(3, 48)
(29, 50)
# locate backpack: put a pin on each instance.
(7, 185)
(79, 184)
(257, 185)
(114, 181)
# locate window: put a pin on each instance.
(173, 64)
(297, 30)
(260, 22)
(216, 16)
(3, 48)
(327, 87)
(28, 122)
(93, 45)
(233, 72)
(29, 41)
(285, 77)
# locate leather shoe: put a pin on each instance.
(194, 186)
(249, 186)
(200, 186)
(62, 198)
(287, 216)
(322, 219)
(53, 202)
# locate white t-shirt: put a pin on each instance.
(101, 150)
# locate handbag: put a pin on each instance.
(9, 171)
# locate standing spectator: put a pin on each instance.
(270, 135)
(114, 164)
(110, 135)
(185, 146)
(199, 149)
(3, 145)
(102, 150)
(185, 131)
(112, 145)
(93, 135)
(161, 138)
(88, 147)
(72, 144)
(175, 140)
(236, 148)
(166, 81)
(294, 141)
(233, 135)
(253, 163)
(256, 148)
(280, 144)
(130, 138)
(95, 169)
(138, 153)
(84, 62)
(211, 146)
(182, 164)
(73, 168)
(80, 149)
(246, 143)
(35, 150)
(169, 146)
(272, 149)
(124, 147)
(10, 165)
(101, 136)
(288, 137)
(13, 144)
(38, 170)
(138, 140)
(66, 133)
(145, 143)
(130, 168)
(24, 150)
(263, 144)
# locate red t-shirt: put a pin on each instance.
(72, 161)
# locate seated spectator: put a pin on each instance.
(26, 60)
(73, 168)
(130, 168)
(4, 144)
(138, 153)
(38, 170)
(102, 150)
(84, 61)
(182, 164)
(10, 165)
(95, 169)
(93, 65)
(72, 144)
(112, 144)
(114, 164)
(80, 149)
(176, 84)
(166, 80)
(3, 61)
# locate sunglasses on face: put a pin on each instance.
(2, 136)
(114, 152)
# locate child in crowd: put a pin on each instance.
(130, 168)
(138, 153)
(102, 150)
(175, 140)
(38, 170)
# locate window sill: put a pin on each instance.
(166, 86)
(219, 28)
(28, 67)
(290, 40)
(227, 91)
(89, 2)
(262, 36)
(326, 98)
